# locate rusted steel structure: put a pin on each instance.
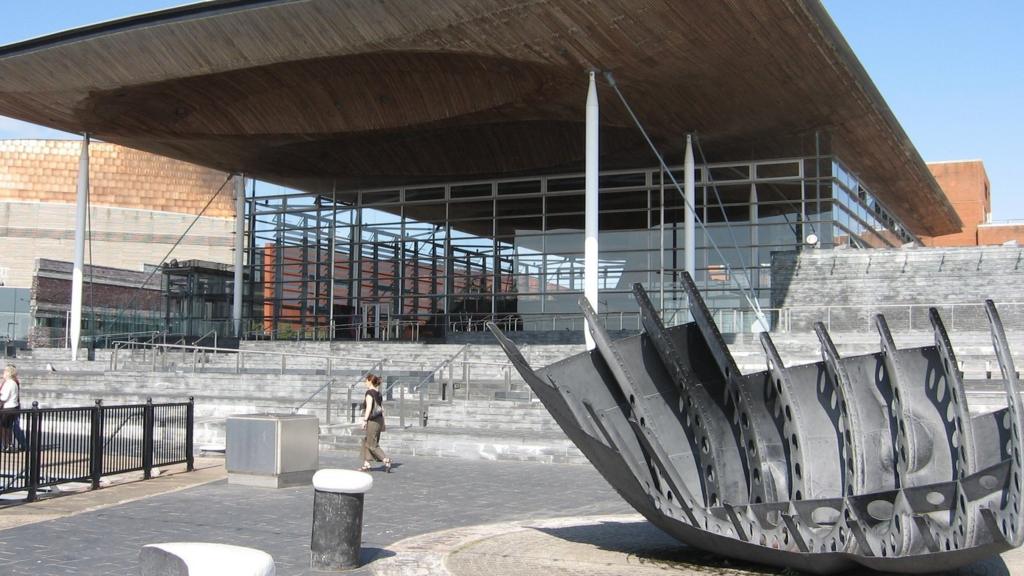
(870, 460)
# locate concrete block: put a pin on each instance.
(203, 559)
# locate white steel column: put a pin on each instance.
(590, 246)
(689, 234)
(755, 265)
(236, 304)
(81, 205)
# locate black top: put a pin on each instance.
(375, 396)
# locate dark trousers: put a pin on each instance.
(12, 425)
(371, 443)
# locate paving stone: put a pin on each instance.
(422, 495)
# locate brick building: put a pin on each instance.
(966, 184)
(140, 205)
(114, 300)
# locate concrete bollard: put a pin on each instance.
(337, 518)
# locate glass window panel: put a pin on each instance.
(519, 206)
(779, 192)
(728, 194)
(413, 195)
(527, 306)
(817, 168)
(622, 220)
(471, 190)
(728, 173)
(776, 235)
(680, 176)
(622, 180)
(373, 217)
(564, 244)
(381, 197)
(778, 170)
(519, 187)
(470, 210)
(627, 240)
(511, 227)
(563, 274)
(567, 310)
(619, 310)
(566, 184)
(633, 200)
(732, 213)
(565, 221)
(562, 204)
(432, 213)
(776, 213)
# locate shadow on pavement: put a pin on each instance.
(648, 544)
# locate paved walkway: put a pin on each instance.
(430, 517)
(422, 495)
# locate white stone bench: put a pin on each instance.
(203, 559)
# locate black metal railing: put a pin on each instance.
(83, 444)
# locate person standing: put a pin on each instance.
(10, 400)
(373, 423)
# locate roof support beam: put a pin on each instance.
(239, 287)
(81, 211)
(689, 232)
(590, 246)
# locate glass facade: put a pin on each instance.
(431, 259)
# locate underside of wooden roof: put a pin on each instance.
(335, 94)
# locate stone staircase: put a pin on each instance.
(489, 414)
(973, 349)
(484, 430)
(902, 283)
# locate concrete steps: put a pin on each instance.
(466, 443)
(901, 283)
(488, 430)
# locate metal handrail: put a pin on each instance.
(204, 336)
(327, 384)
(193, 347)
(129, 334)
(446, 362)
(419, 388)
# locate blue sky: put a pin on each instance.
(952, 72)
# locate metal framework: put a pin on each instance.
(449, 256)
(869, 460)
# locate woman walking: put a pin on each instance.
(10, 400)
(373, 423)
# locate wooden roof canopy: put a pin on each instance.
(315, 94)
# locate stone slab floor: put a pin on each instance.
(421, 498)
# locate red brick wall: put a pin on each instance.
(995, 235)
(966, 185)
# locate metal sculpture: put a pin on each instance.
(868, 460)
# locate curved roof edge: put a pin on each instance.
(155, 17)
(838, 42)
(828, 37)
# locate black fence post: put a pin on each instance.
(190, 420)
(34, 451)
(147, 439)
(96, 444)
